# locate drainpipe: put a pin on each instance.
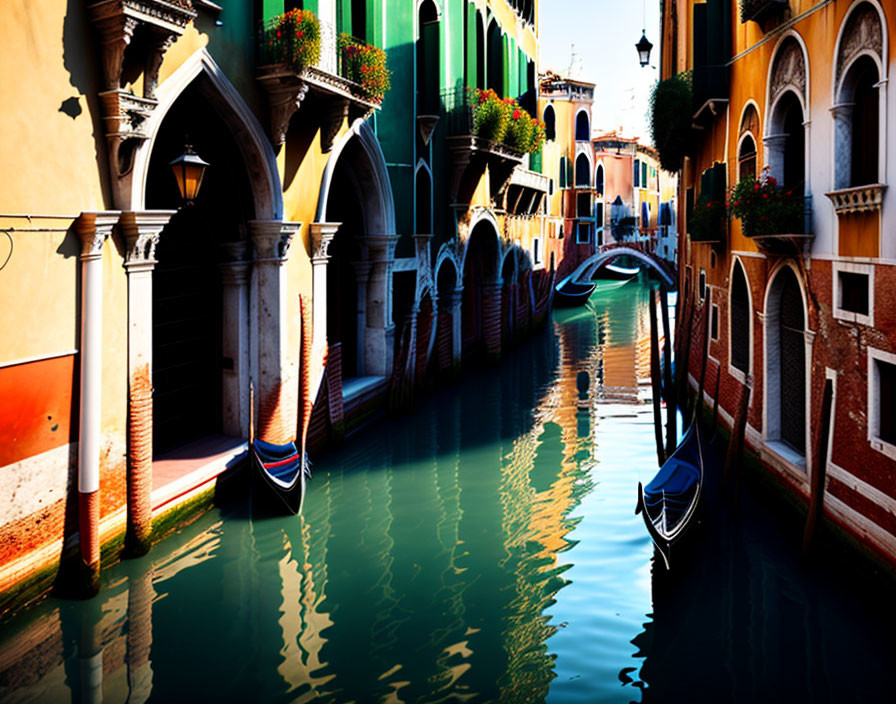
(94, 229)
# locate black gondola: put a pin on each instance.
(570, 293)
(669, 502)
(284, 471)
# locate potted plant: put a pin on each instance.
(766, 209)
(670, 119)
(491, 114)
(365, 65)
(293, 38)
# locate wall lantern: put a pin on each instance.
(188, 169)
(644, 46)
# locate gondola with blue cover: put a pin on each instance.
(283, 469)
(669, 501)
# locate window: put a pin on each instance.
(882, 401)
(583, 171)
(636, 175)
(583, 128)
(701, 287)
(599, 180)
(583, 205)
(854, 292)
(550, 130)
(714, 322)
(583, 233)
(643, 174)
(746, 159)
(739, 336)
(562, 178)
(536, 251)
(864, 124)
(599, 214)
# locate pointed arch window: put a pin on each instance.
(599, 180)
(583, 171)
(583, 127)
(550, 127)
(740, 320)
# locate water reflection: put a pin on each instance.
(484, 549)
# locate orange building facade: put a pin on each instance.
(791, 98)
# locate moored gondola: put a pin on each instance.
(670, 500)
(570, 293)
(284, 471)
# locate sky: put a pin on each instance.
(604, 33)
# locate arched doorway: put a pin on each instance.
(739, 321)
(188, 329)
(786, 361)
(789, 114)
(480, 277)
(446, 284)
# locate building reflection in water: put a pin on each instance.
(432, 563)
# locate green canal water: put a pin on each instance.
(483, 548)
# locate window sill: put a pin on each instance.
(785, 456)
(883, 447)
(858, 199)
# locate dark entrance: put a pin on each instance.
(479, 269)
(791, 324)
(795, 144)
(187, 296)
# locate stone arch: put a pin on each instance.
(859, 79)
(588, 268)
(787, 358)
(261, 162)
(379, 206)
(787, 111)
(481, 307)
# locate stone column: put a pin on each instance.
(457, 339)
(141, 231)
(234, 267)
(380, 333)
(93, 229)
(322, 234)
(774, 154)
(491, 318)
(842, 114)
(277, 383)
(362, 278)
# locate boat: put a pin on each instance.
(570, 293)
(669, 502)
(284, 471)
(614, 272)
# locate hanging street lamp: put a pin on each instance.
(644, 46)
(188, 168)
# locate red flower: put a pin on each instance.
(516, 114)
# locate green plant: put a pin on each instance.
(670, 119)
(707, 221)
(766, 209)
(491, 114)
(292, 38)
(365, 65)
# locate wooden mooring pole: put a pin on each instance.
(821, 460)
(655, 380)
(733, 458)
(668, 387)
(682, 360)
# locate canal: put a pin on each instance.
(483, 548)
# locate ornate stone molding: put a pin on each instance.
(141, 231)
(862, 32)
(94, 228)
(234, 262)
(322, 234)
(859, 199)
(271, 239)
(789, 70)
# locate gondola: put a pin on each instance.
(614, 272)
(284, 471)
(570, 293)
(669, 502)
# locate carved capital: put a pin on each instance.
(271, 239)
(141, 230)
(234, 262)
(322, 234)
(94, 228)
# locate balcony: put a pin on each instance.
(860, 199)
(760, 10)
(302, 57)
(787, 233)
(473, 148)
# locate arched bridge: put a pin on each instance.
(608, 252)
